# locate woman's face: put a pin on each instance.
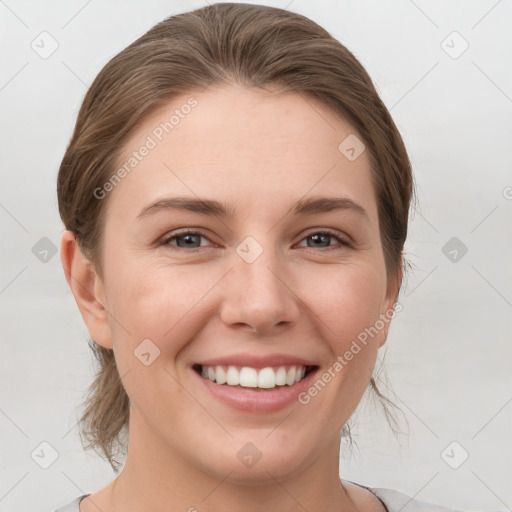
(268, 283)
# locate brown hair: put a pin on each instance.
(256, 46)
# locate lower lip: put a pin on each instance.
(257, 399)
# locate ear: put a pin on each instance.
(87, 288)
(390, 305)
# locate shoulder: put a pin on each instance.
(396, 501)
(363, 498)
(73, 505)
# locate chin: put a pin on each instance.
(258, 463)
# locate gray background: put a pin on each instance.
(449, 351)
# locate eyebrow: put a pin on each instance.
(217, 208)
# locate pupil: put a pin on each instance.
(320, 236)
(189, 240)
(317, 238)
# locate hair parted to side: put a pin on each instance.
(224, 43)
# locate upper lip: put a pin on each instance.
(254, 361)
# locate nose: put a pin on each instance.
(259, 297)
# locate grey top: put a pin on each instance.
(394, 501)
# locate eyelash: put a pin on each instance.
(334, 234)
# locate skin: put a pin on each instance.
(247, 148)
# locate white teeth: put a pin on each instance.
(220, 375)
(290, 376)
(281, 376)
(266, 378)
(248, 377)
(232, 376)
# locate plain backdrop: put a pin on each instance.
(443, 69)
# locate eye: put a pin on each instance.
(192, 240)
(185, 239)
(322, 239)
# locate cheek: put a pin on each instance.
(157, 302)
(156, 312)
(169, 305)
(347, 303)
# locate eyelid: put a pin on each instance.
(343, 239)
(185, 231)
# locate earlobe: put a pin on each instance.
(390, 305)
(394, 285)
(87, 288)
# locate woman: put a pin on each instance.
(235, 197)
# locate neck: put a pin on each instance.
(159, 479)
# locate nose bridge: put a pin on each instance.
(258, 267)
(258, 296)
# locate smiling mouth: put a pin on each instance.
(251, 378)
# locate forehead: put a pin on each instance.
(240, 142)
